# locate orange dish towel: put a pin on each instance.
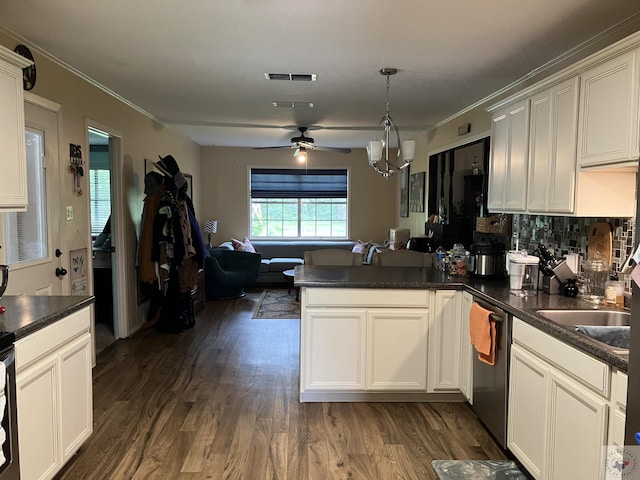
(482, 329)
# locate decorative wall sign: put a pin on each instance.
(404, 192)
(78, 275)
(416, 192)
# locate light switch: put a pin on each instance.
(69, 212)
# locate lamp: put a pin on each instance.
(210, 226)
(378, 151)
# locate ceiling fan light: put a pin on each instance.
(300, 154)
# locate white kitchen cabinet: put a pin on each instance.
(552, 149)
(577, 430)
(527, 417)
(38, 414)
(357, 344)
(609, 109)
(445, 341)
(396, 349)
(466, 350)
(13, 195)
(617, 413)
(558, 407)
(508, 161)
(333, 356)
(54, 394)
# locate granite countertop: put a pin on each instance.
(495, 291)
(26, 314)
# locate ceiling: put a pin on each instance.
(198, 65)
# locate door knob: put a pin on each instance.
(60, 272)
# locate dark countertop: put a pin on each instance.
(495, 291)
(26, 314)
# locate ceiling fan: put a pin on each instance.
(302, 143)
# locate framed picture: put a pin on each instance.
(416, 192)
(404, 192)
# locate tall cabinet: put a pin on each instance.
(13, 194)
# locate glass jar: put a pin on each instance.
(596, 274)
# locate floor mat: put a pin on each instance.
(278, 304)
(477, 470)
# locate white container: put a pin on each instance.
(523, 274)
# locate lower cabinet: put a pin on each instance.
(445, 341)
(54, 395)
(396, 349)
(364, 349)
(556, 418)
(333, 350)
(466, 350)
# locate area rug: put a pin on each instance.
(477, 470)
(278, 304)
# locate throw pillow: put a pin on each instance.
(248, 246)
(238, 245)
(362, 248)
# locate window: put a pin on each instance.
(26, 232)
(100, 199)
(291, 203)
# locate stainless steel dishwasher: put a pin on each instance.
(491, 382)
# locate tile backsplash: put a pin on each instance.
(562, 235)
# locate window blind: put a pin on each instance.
(298, 183)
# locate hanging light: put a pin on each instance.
(378, 150)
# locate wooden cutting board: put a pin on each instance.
(600, 239)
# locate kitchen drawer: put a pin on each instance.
(584, 368)
(366, 297)
(52, 337)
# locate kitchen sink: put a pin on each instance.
(588, 317)
(609, 328)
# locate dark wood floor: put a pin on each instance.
(220, 401)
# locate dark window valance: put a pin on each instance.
(298, 183)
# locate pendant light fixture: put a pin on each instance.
(378, 151)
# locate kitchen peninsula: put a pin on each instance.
(402, 334)
(362, 283)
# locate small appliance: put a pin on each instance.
(523, 274)
(487, 259)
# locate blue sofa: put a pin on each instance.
(281, 255)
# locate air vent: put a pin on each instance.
(281, 104)
(297, 77)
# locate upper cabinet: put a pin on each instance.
(13, 164)
(567, 145)
(509, 158)
(609, 110)
(552, 149)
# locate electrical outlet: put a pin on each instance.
(69, 212)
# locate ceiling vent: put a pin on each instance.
(281, 104)
(297, 77)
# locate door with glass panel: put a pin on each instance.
(29, 239)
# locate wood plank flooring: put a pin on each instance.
(220, 401)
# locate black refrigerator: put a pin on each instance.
(632, 425)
